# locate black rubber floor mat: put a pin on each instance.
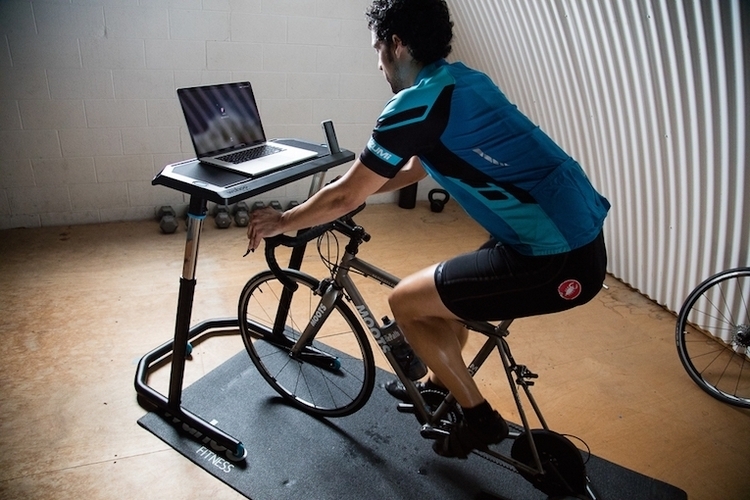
(376, 453)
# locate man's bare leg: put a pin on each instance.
(435, 334)
(437, 337)
(462, 334)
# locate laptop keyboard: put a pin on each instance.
(249, 154)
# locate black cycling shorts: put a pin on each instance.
(495, 282)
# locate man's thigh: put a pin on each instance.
(417, 296)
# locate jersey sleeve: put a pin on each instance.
(410, 125)
(380, 160)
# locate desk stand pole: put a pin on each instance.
(196, 216)
(178, 347)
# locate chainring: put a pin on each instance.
(433, 399)
(562, 463)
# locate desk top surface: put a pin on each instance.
(225, 187)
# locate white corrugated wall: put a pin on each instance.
(650, 96)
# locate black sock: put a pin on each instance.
(478, 416)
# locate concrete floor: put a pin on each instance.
(81, 305)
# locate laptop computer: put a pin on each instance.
(226, 130)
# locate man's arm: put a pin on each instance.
(412, 172)
(331, 202)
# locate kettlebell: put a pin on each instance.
(438, 198)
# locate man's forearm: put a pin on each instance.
(330, 203)
(326, 205)
(334, 200)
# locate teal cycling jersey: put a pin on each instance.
(505, 172)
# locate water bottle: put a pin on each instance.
(407, 360)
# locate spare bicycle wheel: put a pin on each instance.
(564, 471)
(713, 336)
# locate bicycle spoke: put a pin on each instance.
(713, 336)
(333, 375)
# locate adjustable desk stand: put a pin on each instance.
(206, 183)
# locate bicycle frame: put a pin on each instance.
(332, 290)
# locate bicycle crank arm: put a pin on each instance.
(429, 432)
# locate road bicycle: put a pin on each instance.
(309, 344)
(713, 336)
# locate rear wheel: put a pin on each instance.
(334, 375)
(562, 463)
(713, 336)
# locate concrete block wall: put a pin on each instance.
(88, 110)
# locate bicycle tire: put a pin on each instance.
(335, 375)
(713, 336)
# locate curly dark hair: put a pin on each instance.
(424, 26)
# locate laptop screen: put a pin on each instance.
(221, 118)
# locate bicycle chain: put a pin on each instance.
(494, 460)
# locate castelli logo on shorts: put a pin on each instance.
(569, 289)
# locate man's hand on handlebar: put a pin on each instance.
(264, 223)
(333, 201)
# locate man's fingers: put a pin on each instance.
(263, 223)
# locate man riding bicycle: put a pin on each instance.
(546, 252)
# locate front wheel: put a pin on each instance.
(334, 375)
(713, 336)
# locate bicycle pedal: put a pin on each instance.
(405, 408)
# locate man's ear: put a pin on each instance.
(398, 47)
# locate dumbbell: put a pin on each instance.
(167, 219)
(241, 214)
(275, 205)
(222, 217)
(438, 198)
(292, 204)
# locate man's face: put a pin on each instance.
(389, 65)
